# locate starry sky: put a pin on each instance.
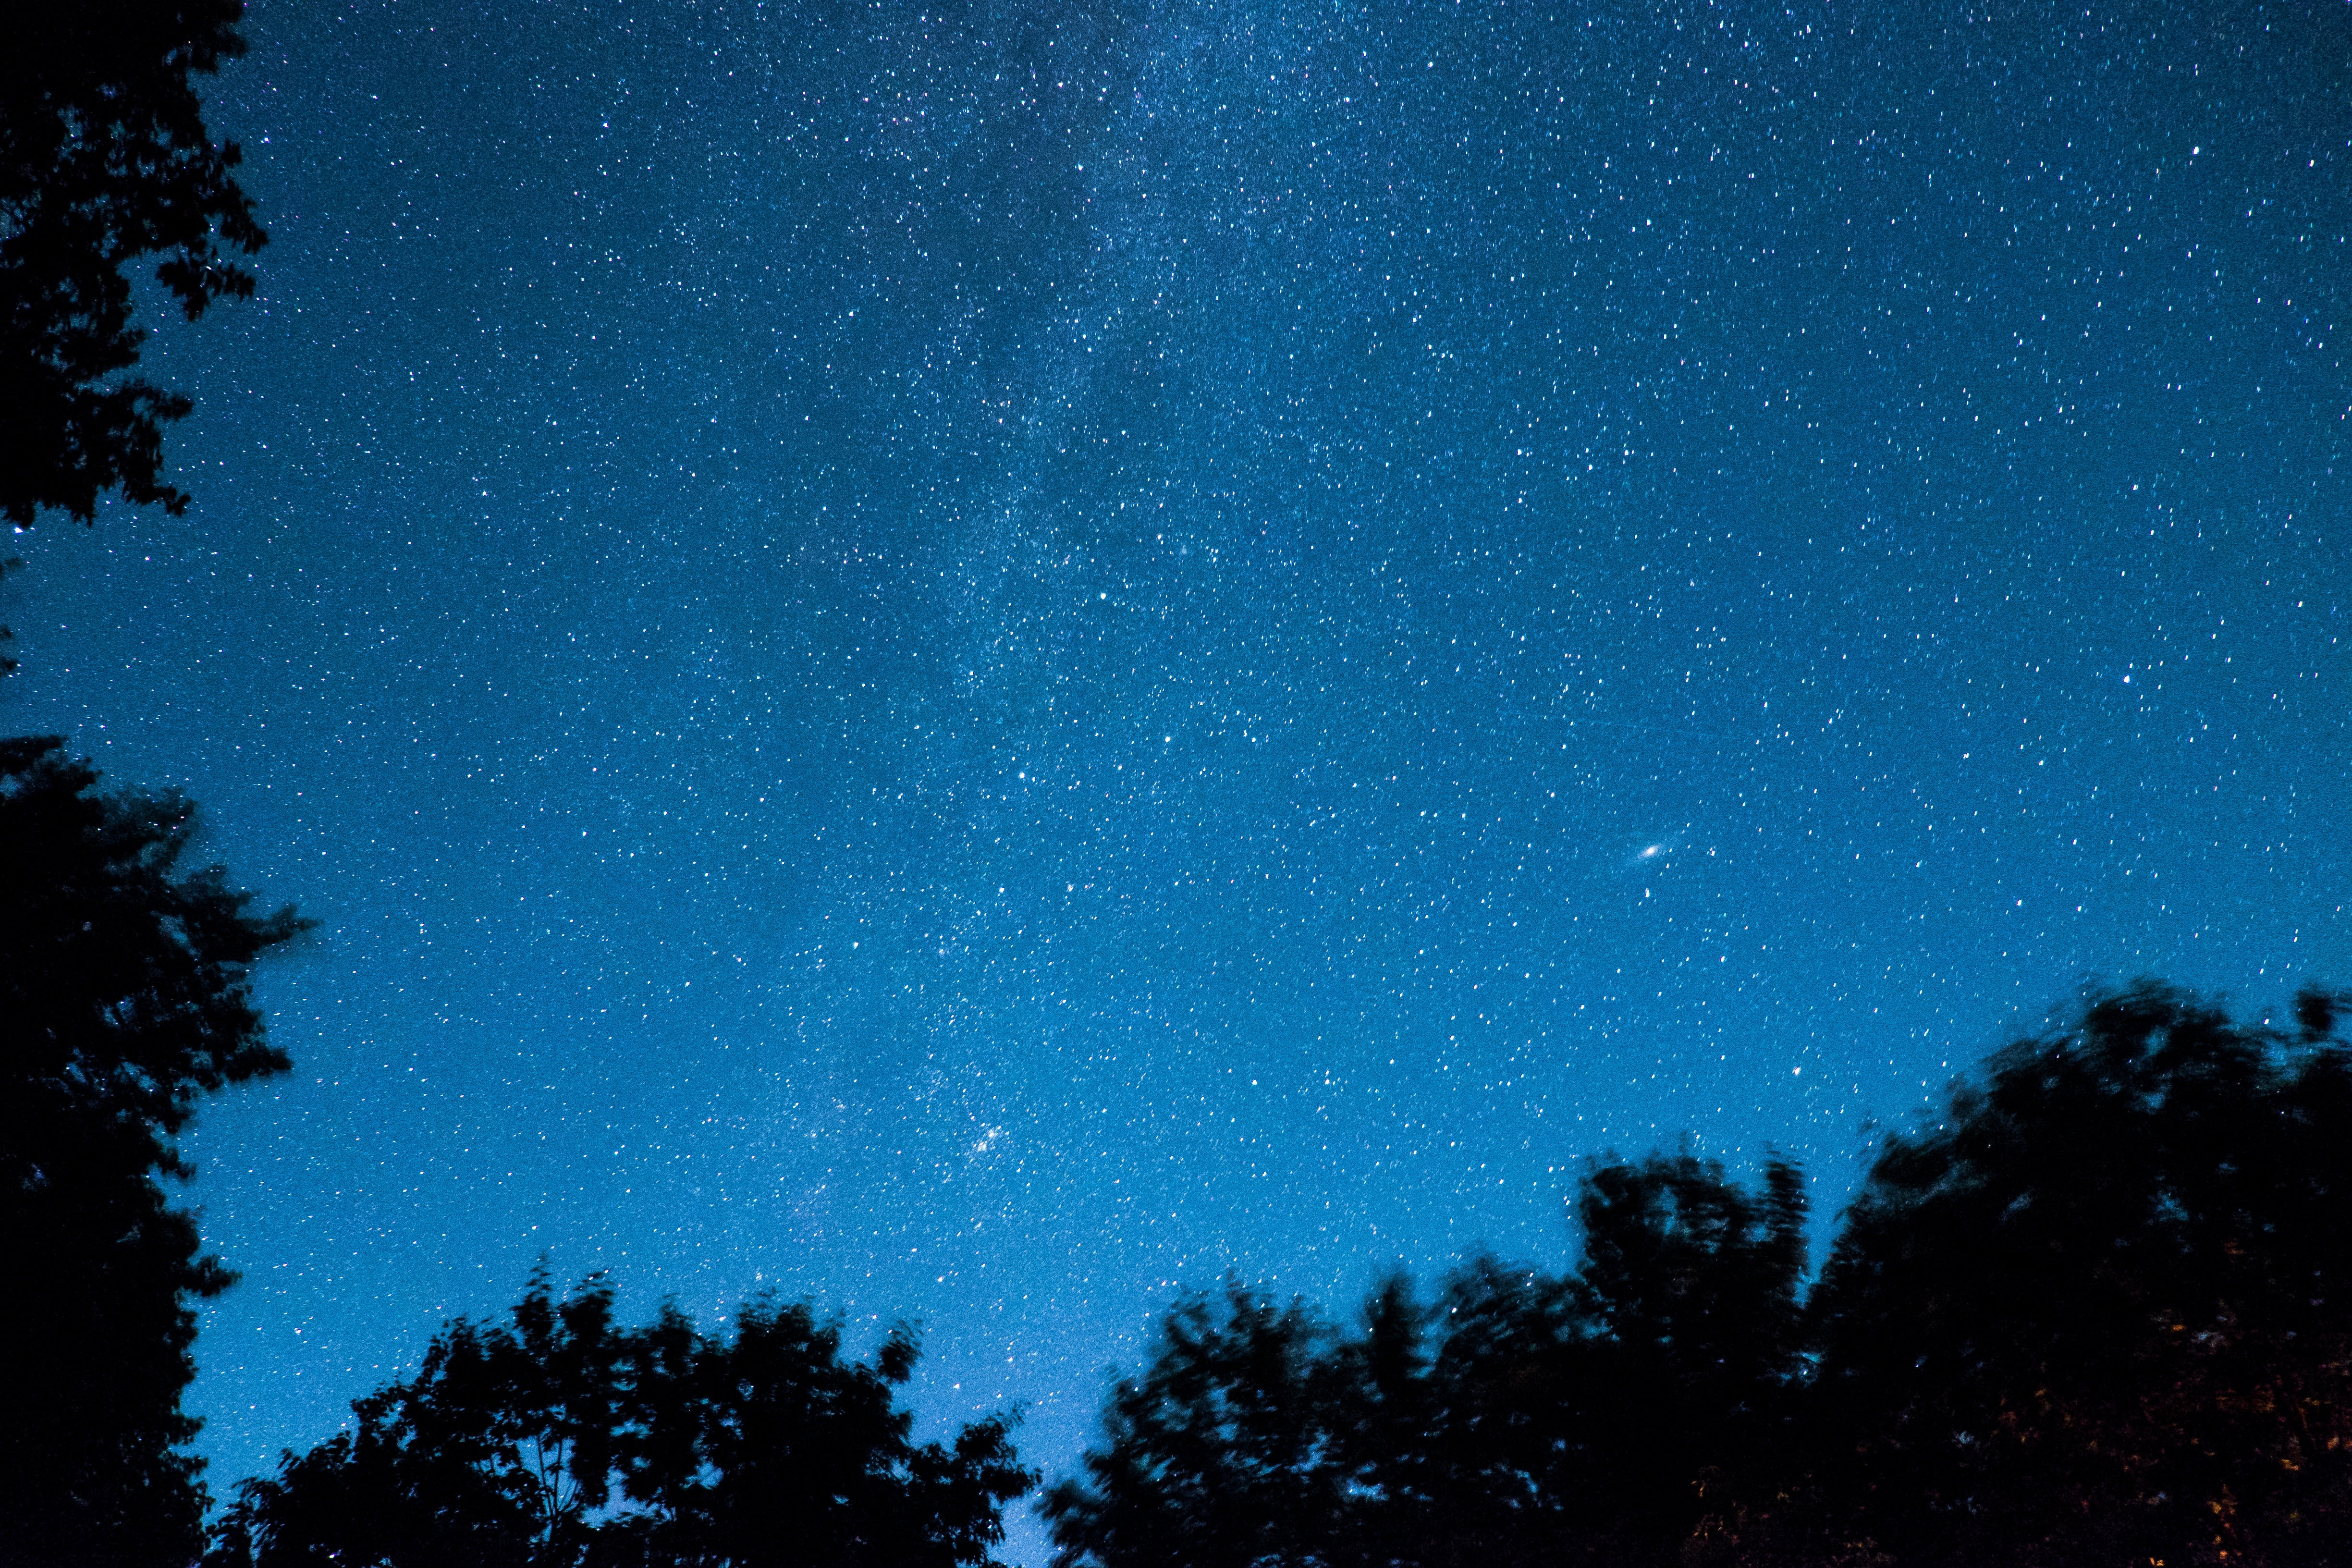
(978, 661)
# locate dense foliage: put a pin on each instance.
(1523, 1418)
(105, 160)
(2102, 1311)
(558, 1440)
(2099, 1313)
(123, 1000)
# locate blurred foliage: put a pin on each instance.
(123, 1001)
(2096, 1314)
(105, 160)
(556, 1439)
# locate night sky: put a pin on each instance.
(980, 662)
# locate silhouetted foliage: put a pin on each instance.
(1525, 1418)
(2102, 1311)
(8, 666)
(2099, 1313)
(1570, 1419)
(104, 158)
(1222, 1454)
(123, 1000)
(557, 1440)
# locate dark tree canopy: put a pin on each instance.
(1523, 1418)
(105, 160)
(2102, 1311)
(556, 1439)
(123, 1000)
(2099, 1314)
(1221, 1453)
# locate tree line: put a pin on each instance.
(2098, 1311)
(557, 1439)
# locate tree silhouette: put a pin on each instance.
(1525, 1418)
(556, 1440)
(2098, 1313)
(105, 160)
(123, 1001)
(1219, 1456)
(1587, 1418)
(2102, 1311)
(493, 1454)
(1384, 1419)
(1696, 1286)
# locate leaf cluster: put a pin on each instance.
(556, 1438)
(2101, 1309)
(124, 998)
(105, 159)
(126, 994)
(1521, 1418)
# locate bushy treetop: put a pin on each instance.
(105, 159)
